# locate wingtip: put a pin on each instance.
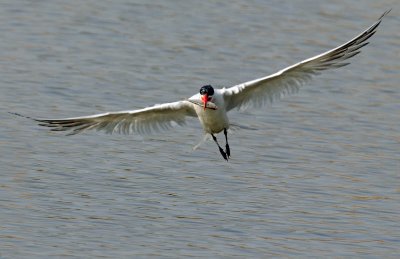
(17, 114)
(385, 13)
(22, 116)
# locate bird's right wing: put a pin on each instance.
(288, 80)
(142, 121)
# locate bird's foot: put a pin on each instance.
(223, 153)
(227, 151)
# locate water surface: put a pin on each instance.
(320, 176)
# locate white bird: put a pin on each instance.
(212, 105)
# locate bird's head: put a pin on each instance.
(206, 93)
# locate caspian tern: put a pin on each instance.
(212, 105)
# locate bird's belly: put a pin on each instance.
(213, 121)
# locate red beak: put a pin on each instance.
(204, 98)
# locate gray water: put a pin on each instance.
(319, 177)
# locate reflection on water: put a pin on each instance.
(318, 177)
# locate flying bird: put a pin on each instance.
(211, 105)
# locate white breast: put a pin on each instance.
(213, 121)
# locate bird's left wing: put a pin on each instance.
(266, 89)
(142, 121)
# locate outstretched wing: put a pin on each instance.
(143, 121)
(257, 92)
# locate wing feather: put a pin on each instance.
(257, 92)
(143, 121)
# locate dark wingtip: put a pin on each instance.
(385, 13)
(15, 113)
(20, 115)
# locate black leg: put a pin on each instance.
(219, 147)
(227, 149)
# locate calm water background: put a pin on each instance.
(320, 176)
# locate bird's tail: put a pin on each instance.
(204, 139)
(235, 127)
(232, 128)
